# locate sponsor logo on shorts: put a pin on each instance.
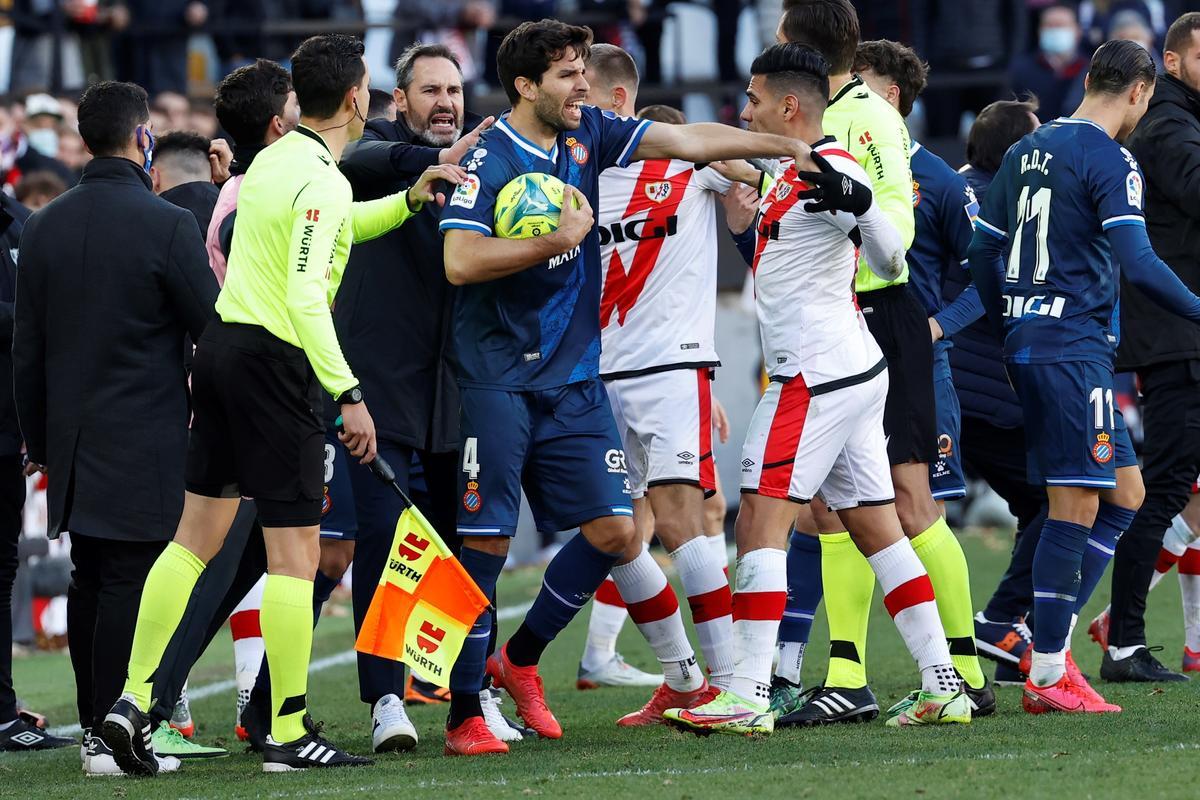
(472, 501)
(945, 446)
(747, 463)
(686, 457)
(690, 346)
(615, 461)
(532, 356)
(1102, 450)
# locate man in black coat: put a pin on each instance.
(1163, 349)
(393, 317)
(111, 280)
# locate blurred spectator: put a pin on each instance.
(461, 25)
(202, 119)
(156, 48)
(1054, 72)
(383, 106)
(69, 110)
(71, 152)
(174, 107)
(1099, 20)
(1130, 25)
(94, 22)
(182, 175)
(37, 189)
(27, 135)
(43, 116)
(44, 56)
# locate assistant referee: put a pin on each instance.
(257, 380)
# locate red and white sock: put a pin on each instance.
(247, 641)
(908, 596)
(1189, 586)
(655, 610)
(720, 551)
(604, 625)
(758, 603)
(707, 589)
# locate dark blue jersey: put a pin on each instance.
(1057, 191)
(945, 209)
(538, 328)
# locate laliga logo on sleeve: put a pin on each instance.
(1102, 450)
(1133, 189)
(466, 193)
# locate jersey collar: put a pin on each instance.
(523, 143)
(304, 130)
(850, 86)
(1081, 121)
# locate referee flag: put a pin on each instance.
(424, 605)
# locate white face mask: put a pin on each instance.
(1057, 41)
(45, 141)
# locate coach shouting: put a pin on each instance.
(111, 280)
(1163, 349)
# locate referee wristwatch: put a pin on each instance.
(350, 397)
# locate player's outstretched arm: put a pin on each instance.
(712, 141)
(471, 257)
(374, 218)
(985, 257)
(1145, 270)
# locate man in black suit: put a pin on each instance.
(112, 279)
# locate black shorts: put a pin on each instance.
(900, 326)
(257, 429)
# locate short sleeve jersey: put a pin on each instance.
(945, 209)
(538, 328)
(1056, 193)
(804, 267)
(658, 251)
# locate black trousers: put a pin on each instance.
(1171, 462)
(102, 610)
(998, 456)
(12, 498)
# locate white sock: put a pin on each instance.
(707, 590)
(1189, 587)
(1048, 668)
(655, 610)
(1121, 653)
(757, 608)
(791, 659)
(247, 636)
(719, 549)
(604, 626)
(908, 596)
(1071, 630)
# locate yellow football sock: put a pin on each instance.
(849, 585)
(286, 620)
(165, 596)
(942, 555)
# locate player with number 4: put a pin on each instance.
(1068, 198)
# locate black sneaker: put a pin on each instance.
(1008, 675)
(826, 705)
(310, 750)
(1140, 667)
(20, 737)
(256, 720)
(983, 699)
(127, 731)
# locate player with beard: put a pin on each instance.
(535, 415)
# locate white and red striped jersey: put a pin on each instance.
(804, 267)
(658, 256)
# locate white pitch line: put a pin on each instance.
(319, 665)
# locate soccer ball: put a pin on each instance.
(529, 206)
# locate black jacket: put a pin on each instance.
(1166, 144)
(111, 279)
(394, 308)
(12, 221)
(198, 197)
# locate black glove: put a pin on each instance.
(833, 190)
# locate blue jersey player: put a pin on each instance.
(527, 340)
(1066, 205)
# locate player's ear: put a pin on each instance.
(619, 96)
(526, 88)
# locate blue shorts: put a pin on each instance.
(338, 520)
(946, 472)
(1073, 428)
(560, 445)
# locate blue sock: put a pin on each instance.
(803, 588)
(1056, 566)
(323, 587)
(1111, 522)
(467, 674)
(571, 579)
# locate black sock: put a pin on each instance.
(525, 647)
(463, 706)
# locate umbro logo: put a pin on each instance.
(747, 463)
(685, 456)
(27, 738)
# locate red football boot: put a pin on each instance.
(524, 685)
(472, 738)
(665, 697)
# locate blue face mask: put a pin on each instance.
(1056, 41)
(147, 140)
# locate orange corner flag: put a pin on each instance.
(425, 603)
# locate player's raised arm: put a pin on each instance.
(703, 142)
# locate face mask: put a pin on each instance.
(45, 141)
(147, 139)
(1057, 41)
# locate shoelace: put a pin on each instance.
(1023, 631)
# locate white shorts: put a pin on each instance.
(802, 444)
(665, 422)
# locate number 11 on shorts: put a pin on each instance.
(1098, 399)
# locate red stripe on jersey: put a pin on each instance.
(708, 477)
(783, 440)
(765, 606)
(773, 211)
(652, 609)
(244, 625)
(1190, 563)
(607, 593)
(622, 288)
(711, 605)
(908, 594)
